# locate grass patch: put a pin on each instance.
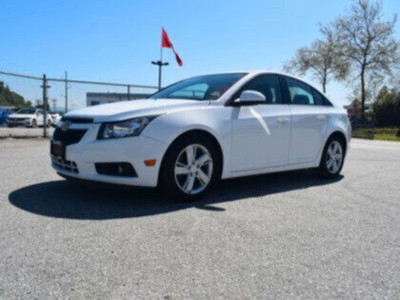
(383, 134)
(386, 137)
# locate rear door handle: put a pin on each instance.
(321, 118)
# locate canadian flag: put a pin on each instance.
(166, 43)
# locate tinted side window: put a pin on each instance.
(319, 99)
(268, 85)
(300, 93)
(327, 102)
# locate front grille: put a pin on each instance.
(65, 165)
(77, 120)
(17, 119)
(68, 137)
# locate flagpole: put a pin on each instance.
(160, 64)
(160, 69)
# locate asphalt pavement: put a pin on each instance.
(281, 236)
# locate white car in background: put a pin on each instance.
(28, 117)
(202, 129)
(55, 117)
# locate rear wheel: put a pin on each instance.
(332, 158)
(189, 169)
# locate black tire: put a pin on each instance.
(327, 170)
(10, 126)
(49, 123)
(168, 180)
(34, 123)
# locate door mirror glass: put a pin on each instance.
(250, 96)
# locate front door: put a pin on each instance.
(261, 133)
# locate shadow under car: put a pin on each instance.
(70, 200)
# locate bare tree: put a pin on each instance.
(321, 59)
(367, 42)
(373, 84)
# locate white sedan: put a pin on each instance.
(203, 129)
(28, 117)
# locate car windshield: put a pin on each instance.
(209, 87)
(26, 111)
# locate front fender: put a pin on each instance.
(214, 120)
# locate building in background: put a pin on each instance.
(103, 98)
(354, 107)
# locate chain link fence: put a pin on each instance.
(62, 94)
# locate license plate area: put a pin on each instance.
(57, 149)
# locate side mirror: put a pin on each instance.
(250, 97)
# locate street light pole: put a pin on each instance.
(66, 92)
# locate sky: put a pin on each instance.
(116, 40)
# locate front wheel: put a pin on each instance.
(189, 169)
(332, 158)
(34, 123)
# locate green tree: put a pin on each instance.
(387, 97)
(10, 98)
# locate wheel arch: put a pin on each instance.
(340, 135)
(191, 133)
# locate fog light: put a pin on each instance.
(116, 169)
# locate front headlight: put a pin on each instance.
(132, 127)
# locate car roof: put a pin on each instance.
(266, 71)
(259, 72)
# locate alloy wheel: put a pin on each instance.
(334, 157)
(193, 169)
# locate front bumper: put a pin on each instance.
(17, 122)
(89, 150)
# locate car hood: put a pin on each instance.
(135, 108)
(20, 116)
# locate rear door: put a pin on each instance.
(261, 132)
(309, 122)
